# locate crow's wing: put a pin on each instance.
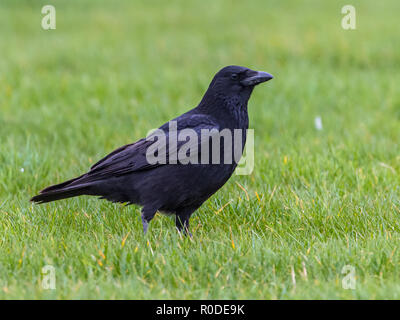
(132, 157)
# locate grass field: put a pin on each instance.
(316, 201)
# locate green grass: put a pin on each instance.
(112, 71)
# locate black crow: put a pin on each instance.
(133, 175)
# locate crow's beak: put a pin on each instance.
(256, 78)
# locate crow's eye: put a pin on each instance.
(234, 76)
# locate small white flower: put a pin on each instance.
(318, 123)
(22, 170)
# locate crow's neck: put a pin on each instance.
(231, 111)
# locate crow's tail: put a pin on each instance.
(67, 189)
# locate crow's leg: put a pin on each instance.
(182, 221)
(147, 215)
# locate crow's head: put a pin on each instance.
(236, 80)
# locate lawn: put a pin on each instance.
(317, 200)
